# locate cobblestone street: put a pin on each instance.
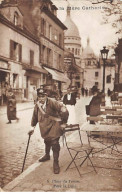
(14, 137)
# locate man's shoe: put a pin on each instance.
(8, 122)
(56, 167)
(44, 158)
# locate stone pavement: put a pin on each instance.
(39, 177)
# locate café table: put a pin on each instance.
(113, 132)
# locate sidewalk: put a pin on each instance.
(39, 177)
(20, 107)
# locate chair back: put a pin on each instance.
(71, 128)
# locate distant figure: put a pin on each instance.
(109, 92)
(95, 104)
(70, 100)
(34, 95)
(82, 91)
(114, 96)
(86, 92)
(11, 106)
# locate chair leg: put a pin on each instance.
(91, 160)
(73, 161)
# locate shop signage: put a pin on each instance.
(4, 65)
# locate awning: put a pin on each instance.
(4, 70)
(58, 76)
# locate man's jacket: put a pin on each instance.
(49, 126)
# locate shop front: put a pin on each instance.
(33, 78)
(58, 80)
(4, 80)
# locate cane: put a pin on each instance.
(26, 151)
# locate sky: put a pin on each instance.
(89, 23)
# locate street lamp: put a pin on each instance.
(104, 54)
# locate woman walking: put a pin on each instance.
(11, 106)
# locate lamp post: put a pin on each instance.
(104, 54)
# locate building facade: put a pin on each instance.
(32, 53)
(93, 70)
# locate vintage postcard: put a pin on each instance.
(60, 95)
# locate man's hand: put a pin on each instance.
(63, 126)
(30, 132)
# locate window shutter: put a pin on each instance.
(11, 49)
(20, 53)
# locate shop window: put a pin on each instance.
(16, 17)
(96, 74)
(108, 79)
(15, 80)
(31, 57)
(15, 51)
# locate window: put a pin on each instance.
(108, 79)
(15, 51)
(60, 40)
(59, 61)
(49, 59)
(96, 83)
(50, 32)
(43, 53)
(31, 57)
(89, 62)
(69, 49)
(96, 74)
(72, 50)
(16, 16)
(77, 77)
(76, 51)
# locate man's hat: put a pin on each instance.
(41, 90)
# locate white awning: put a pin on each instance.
(58, 76)
(4, 70)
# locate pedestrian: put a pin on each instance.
(52, 117)
(11, 106)
(86, 92)
(70, 100)
(34, 95)
(109, 92)
(95, 104)
(82, 91)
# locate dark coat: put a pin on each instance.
(49, 129)
(95, 106)
(72, 101)
(11, 107)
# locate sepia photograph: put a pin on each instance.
(60, 95)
